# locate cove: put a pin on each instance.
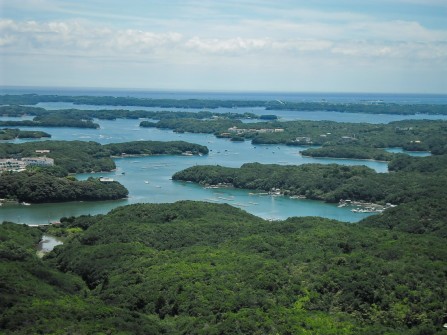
(148, 178)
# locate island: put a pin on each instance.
(14, 133)
(84, 118)
(39, 185)
(413, 193)
(81, 156)
(39, 172)
(338, 139)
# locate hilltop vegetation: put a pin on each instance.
(198, 268)
(39, 299)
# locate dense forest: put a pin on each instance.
(349, 151)
(10, 134)
(375, 107)
(43, 185)
(199, 268)
(81, 156)
(193, 125)
(155, 148)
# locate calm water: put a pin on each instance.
(264, 96)
(148, 178)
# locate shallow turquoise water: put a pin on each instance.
(148, 178)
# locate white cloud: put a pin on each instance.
(369, 39)
(255, 53)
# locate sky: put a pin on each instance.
(384, 46)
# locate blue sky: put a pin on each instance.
(389, 46)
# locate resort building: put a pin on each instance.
(240, 131)
(17, 165)
(105, 180)
(38, 161)
(10, 164)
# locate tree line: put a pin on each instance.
(356, 107)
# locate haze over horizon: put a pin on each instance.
(387, 46)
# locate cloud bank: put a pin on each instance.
(332, 50)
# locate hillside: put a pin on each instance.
(200, 268)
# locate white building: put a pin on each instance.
(17, 165)
(11, 164)
(38, 161)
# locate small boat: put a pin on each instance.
(146, 182)
(25, 203)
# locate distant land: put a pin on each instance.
(371, 107)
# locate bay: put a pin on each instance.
(149, 178)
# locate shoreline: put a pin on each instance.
(357, 159)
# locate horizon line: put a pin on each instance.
(222, 91)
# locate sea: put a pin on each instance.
(148, 179)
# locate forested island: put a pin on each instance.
(76, 118)
(200, 268)
(339, 139)
(416, 185)
(47, 185)
(53, 183)
(13, 133)
(81, 156)
(63, 117)
(371, 107)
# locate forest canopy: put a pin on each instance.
(196, 268)
(38, 186)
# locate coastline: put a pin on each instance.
(359, 159)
